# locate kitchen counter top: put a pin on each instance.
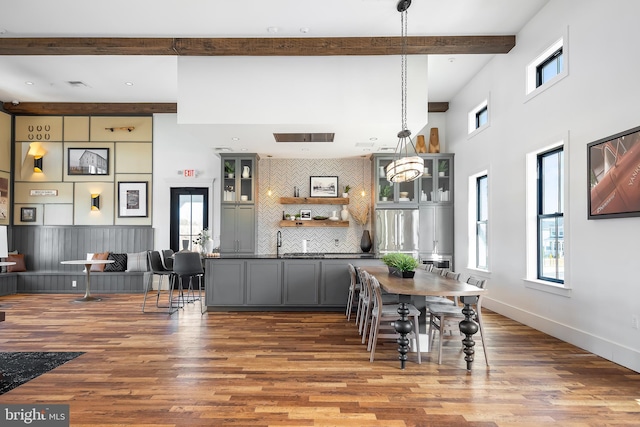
(301, 255)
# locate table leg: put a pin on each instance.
(87, 292)
(403, 326)
(468, 327)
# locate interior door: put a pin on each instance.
(189, 216)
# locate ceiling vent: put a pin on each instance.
(304, 137)
(221, 149)
(76, 83)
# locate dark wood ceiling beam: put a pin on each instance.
(320, 46)
(87, 108)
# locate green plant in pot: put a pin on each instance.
(385, 192)
(403, 265)
(443, 167)
(229, 168)
(345, 193)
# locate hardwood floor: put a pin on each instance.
(298, 369)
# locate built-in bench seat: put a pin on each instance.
(46, 247)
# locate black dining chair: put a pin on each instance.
(157, 269)
(188, 265)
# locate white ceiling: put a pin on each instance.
(156, 78)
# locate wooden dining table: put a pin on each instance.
(425, 283)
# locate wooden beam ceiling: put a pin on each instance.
(84, 108)
(321, 46)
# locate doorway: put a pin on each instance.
(189, 216)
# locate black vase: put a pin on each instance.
(365, 241)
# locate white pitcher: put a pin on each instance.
(245, 171)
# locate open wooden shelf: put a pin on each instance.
(313, 223)
(314, 201)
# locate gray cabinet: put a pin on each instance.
(225, 282)
(301, 279)
(334, 283)
(436, 229)
(264, 282)
(237, 229)
(436, 183)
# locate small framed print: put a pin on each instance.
(27, 214)
(132, 199)
(323, 186)
(305, 214)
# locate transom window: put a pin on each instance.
(549, 68)
(482, 117)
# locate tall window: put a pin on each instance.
(482, 216)
(549, 68)
(551, 215)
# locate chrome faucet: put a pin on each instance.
(278, 243)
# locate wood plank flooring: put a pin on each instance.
(298, 369)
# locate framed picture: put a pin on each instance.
(613, 165)
(28, 214)
(4, 197)
(305, 213)
(323, 186)
(88, 161)
(132, 199)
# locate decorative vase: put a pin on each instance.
(245, 172)
(230, 175)
(185, 244)
(208, 246)
(365, 241)
(344, 213)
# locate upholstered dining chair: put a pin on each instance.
(382, 318)
(188, 265)
(445, 318)
(157, 269)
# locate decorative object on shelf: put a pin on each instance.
(127, 128)
(360, 216)
(443, 167)
(382, 173)
(305, 214)
(229, 169)
(345, 193)
(400, 264)
(408, 166)
(365, 241)
(246, 172)
(344, 213)
(421, 146)
(185, 245)
(385, 193)
(323, 186)
(434, 141)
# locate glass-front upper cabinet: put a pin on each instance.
(390, 192)
(239, 174)
(436, 183)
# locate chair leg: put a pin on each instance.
(146, 290)
(440, 338)
(416, 331)
(373, 337)
(367, 317)
(349, 303)
(484, 346)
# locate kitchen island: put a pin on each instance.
(289, 282)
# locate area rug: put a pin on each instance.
(18, 368)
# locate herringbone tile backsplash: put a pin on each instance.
(285, 174)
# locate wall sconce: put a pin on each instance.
(95, 202)
(37, 163)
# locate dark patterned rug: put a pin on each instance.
(18, 368)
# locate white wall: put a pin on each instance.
(597, 99)
(178, 147)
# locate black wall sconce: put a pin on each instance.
(95, 202)
(37, 164)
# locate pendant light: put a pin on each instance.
(407, 166)
(269, 192)
(363, 193)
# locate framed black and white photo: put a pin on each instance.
(27, 214)
(132, 199)
(305, 214)
(88, 161)
(323, 186)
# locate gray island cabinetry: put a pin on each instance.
(270, 283)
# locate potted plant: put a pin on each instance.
(230, 169)
(345, 194)
(443, 166)
(385, 192)
(403, 265)
(297, 216)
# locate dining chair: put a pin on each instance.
(382, 318)
(445, 318)
(354, 290)
(438, 270)
(367, 304)
(157, 269)
(167, 259)
(442, 300)
(188, 265)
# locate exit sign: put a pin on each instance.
(189, 173)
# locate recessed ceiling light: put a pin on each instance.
(304, 30)
(28, 83)
(235, 138)
(128, 83)
(243, 149)
(272, 30)
(373, 138)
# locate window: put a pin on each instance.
(550, 68)
(479, 117)
(550, 208)
(482, 117)
(482, 216)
